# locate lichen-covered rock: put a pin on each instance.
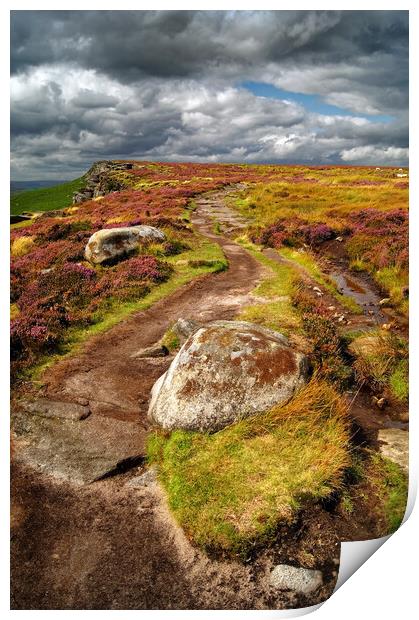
(226, 371)
(111, 243)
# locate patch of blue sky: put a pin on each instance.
(313, 103)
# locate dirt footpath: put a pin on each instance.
(106, 375)
(108, 545)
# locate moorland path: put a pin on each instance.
(113, 544)
(106, 374)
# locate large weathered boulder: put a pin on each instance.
(226, 371)
(111, 243)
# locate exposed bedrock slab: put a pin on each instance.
(224, 372)
(81, 451)
(395, 446)
(56, 409)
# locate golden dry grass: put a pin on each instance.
(22, 246)
(233, 488)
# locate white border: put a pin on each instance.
(386, 585)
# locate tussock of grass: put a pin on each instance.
(399, 381)
(22, 246)
(14, 311)
(381, 362)
(393, 280)
(232, 489)
(170, 340)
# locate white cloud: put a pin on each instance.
(374, 155)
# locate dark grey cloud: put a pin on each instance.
(167, 85)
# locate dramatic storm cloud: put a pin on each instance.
(260, 86)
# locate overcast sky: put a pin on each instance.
(233, 86)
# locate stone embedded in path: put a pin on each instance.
(183, 328)
(395, 446)
(302, 580)
(148, 479)
(111, 243)
(156, 350)
(56, 409)
(80, 452)
(226, 371)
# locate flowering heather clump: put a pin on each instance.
(144, 268)
(68, 294)
(314, 234)
(294, 232)
(379, 237)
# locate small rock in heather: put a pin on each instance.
(111, 243)
(56, 409)
(302, 580)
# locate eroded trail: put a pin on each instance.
(113, 544)
(106, 374)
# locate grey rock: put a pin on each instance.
(80, 453)
(302, 580)
(111, 243)
(384, 302)
(183, 328)
(395, 446)
(224, 372)
(153, 351)
(146, 479)
(56, 409)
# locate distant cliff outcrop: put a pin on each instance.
(102, 178)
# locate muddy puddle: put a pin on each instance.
(360, 292)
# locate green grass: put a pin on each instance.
(381, 362)
(46, 198)
(399, 381)
(216, 227)
(393, 280)
(232, 489)
(390, 484)
(276, 311)
(170, 340)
